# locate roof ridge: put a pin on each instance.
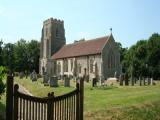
(89, 40)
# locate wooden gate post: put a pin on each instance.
(81, 98)
(9, 98)
(50, 106)
(77, 102)
(15, 116)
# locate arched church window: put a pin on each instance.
(111, 59)
(54, 69)
(79, 68)
(94, 66)
(59, 67)
(46, 32)
(71, 61)
(91, 65)
(65, 65)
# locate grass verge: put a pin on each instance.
(107, 103)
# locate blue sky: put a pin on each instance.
(131, 20)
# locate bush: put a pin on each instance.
(2, 75)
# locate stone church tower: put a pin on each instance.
(53, 38)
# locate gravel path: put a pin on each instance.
(24, 90)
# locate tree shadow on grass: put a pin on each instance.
(2, 111)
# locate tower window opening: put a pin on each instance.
(57, 32)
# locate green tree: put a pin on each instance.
(1, 58)
(33, 53)
(2, 85)
(8, 56)
(142, 59)
(20, 54)
(153, 57)
(27, 55)
(123, 52)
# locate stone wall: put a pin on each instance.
(52, 39)
(79, 64)
(110, 71)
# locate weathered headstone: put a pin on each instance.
(148, 79)
(94, 82)
(87, 78)
(121, 80)
(30, 76)
(21, 75)
(144, 81)
(132, 79)
(45, 79)
(66, 81)
(135, 80)
(111, 81)
(53, 81)
(102, 81)
(151, 81)
(26, 74)
(34, 76)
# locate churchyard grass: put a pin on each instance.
(3, 104)
(114, 102)
(38, 89)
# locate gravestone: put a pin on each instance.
(121, 80)
(34, 76)
(30, 76)
(66, 81)
(87, 78)
(135, 80)
(21, 75)
(132, 79)
(45, 79)
(111, 81)
(148, 79)
(144, 81)
(54, 81)
(26, 74)
(94, 82)
(151, 81)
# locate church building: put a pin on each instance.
(98, 57)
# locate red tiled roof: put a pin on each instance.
(89, 47)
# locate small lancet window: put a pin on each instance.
(57, 32)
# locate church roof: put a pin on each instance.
(89, 47)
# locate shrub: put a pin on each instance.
(2, 75)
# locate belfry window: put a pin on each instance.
(57, 32)
(46, 31)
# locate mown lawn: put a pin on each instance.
(105, 103)
(2, 106)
